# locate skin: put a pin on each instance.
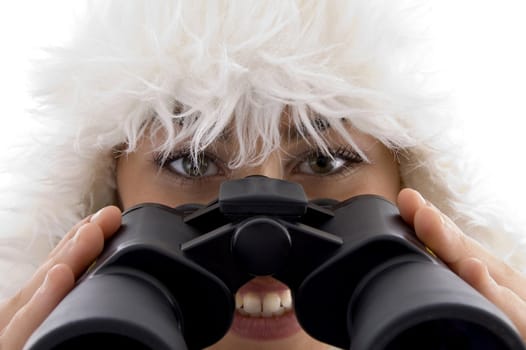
(140, 180)
(379, 177)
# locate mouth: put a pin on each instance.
(264, 310)
(263, 304)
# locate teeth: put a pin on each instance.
(271, 304)
(286, 299)
(239, 301)
(252, 304)
(267, 305)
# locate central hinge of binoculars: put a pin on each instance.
(258, 196)
(252, 219)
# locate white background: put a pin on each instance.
(482, 44)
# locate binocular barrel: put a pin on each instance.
(114, 311)
(417, 303)
(142, 292)
(384, 290)
(359, 277)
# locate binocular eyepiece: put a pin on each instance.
(380, 288)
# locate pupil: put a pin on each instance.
(196, 168)
(321, 164)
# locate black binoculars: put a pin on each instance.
(359, 277)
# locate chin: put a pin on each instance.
(297, 341)
(265, 319)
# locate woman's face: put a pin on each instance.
(264, 319)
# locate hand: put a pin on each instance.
(492, 277)
(23, 313)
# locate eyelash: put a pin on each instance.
(350, 157)
(164, 164)
(346, 153)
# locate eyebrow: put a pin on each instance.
(319, 124)
(288, 133)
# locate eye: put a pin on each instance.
(317, 163)
(186, 166)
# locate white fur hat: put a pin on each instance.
(136, 64)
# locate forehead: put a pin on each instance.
(251, 138)
(298, 138)
(289, 131)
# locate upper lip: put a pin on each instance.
(263, 285)
(263, 296)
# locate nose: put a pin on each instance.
(272, 167)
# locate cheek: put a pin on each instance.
(381, 178)
(130, 185)
(136, 183)
(385, 183)
(384, 178)
(140, 182)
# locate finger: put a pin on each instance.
(108, 218)
(477, 275)
(409, 201)
(430, 227)
(77, 253)
(59, 281)
(442, 236)
(85, 245)
(68, 236)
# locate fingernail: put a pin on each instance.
(419, 197)
(431, 205)
(443, 220)
(95, 216)
(45, 284)
(490, 278)
(449, 224)
(77, 234)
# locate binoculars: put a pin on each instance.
(359, 277)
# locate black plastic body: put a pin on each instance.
(359, 277)
(148, 244)
(384, 290)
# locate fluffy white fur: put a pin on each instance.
(138, 66)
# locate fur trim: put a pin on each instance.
(129, 69)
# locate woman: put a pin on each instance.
(161, 102)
